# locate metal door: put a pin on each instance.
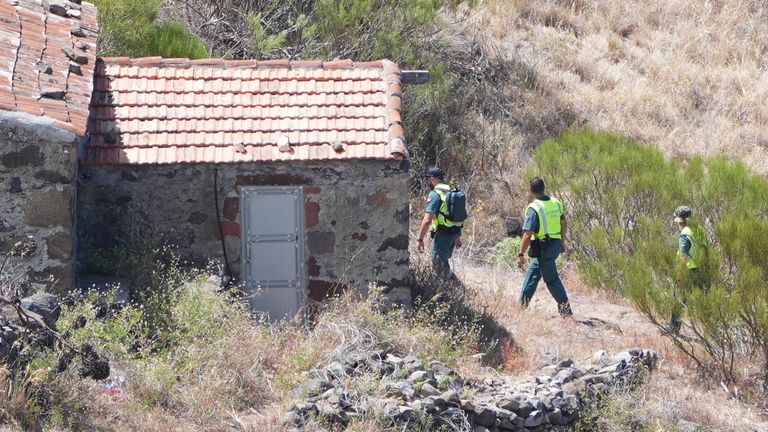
(273, 247)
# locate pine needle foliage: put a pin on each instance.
(620, 197)
(129, 28)
(172, 40)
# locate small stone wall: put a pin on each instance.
(356, 215)
(410, 393)
(37, 165)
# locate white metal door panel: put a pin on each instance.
(273, 247)
(273, 263)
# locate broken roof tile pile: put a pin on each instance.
(156, 111)
(47, 56)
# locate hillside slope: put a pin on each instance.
(689, 75)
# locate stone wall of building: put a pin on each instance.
(356, 215)
(37, 172)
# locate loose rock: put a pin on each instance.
(548, 402)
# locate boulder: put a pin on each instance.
(535, 418)
(58, 280)
(484, 416)
(419, 376)
(428, 390)
(315, 387)
(44, 304)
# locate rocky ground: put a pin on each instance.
(406, 393)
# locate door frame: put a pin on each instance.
(245, 192)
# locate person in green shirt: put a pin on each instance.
(691, 244)
(446, 234)
(544, 222)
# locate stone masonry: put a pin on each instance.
(37, 166)
(404, 393)
(356, 215)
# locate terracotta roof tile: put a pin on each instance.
(156, 111)
(29, 34)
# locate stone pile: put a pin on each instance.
(411, 393)
(45, 305)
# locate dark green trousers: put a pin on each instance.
(442, 249)
(544, 268)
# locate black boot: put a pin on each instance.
(565, 310)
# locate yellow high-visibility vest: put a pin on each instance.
(439, 219)
(549, 213)
(692, 252)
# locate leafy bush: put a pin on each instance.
(156, 273)
(620, 196)
(505, 252)
(172, 40)
(128, 28)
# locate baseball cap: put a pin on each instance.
(682, 213)
(435, 172)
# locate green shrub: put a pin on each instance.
(128, 28)
(614, 413)
(172, 40)
(620, 195)
(505, 252)
(156, 274)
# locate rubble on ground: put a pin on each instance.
(410, 393)
(47, 307)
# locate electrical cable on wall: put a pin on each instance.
(221, 227)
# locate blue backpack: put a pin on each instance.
(456, 205)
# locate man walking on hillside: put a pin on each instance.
(687, 244)
(445, 234)
(544, 231)
(690, 246)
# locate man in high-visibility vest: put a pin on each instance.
(445, 234)
(544, 223)
(686, 245)
(691, 245)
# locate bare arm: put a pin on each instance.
(524, 244)
(563, 233)
(563, 229)
(425, 223)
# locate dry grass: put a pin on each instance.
(244, 380)
(685, 74)
(231, 373)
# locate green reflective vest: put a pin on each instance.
(439, 218)
(697, 238)
(549, 213)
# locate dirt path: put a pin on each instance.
(603, 322)
(599, 323)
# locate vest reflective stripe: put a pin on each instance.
(549, 213)
(439, 218)
(691, 261)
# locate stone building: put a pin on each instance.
(47, 58)
(289, 174)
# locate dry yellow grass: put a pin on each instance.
(688, 75)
